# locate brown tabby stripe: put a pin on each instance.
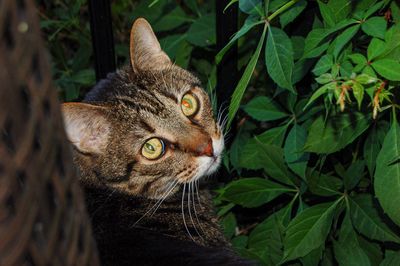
(146, 126)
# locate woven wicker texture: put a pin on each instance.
(43, 220)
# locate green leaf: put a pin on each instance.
(387, 176)
(391, 259)
(324, 89)
(375, 48)
(323, 65)
(249, 23)
(387, 68)
(172, 20)
(323, 185)
(344, 38)
(292, 13)
(353, 174)
(347, 249)
(327, 14)
(258, 155)
(244, 80)
(84, 77)
(308, 230)
(358, 92)
(298, 46)
(336, 133)
(373, 144)
(295, 158)
(202, 31)
(365, 79)
(253, 192)
(375, 27)
(229, 225)
(273, 136)
(367, 221)
(251, 6)
(171, 43)
(325, 78)
(279, 58)
(264, 109)
(266, 238)
(358, 58)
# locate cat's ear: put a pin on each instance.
(145, 50)
(87, 126)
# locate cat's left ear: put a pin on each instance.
(145, 50)
(87, 126)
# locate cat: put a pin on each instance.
(138, 137)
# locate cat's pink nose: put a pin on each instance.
(206, 149)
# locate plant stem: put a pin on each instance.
(282, 9)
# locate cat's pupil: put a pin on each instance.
(150, 148)
(187, 103)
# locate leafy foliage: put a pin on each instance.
(320, 132)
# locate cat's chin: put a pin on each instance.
(207, 166)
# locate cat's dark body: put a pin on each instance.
(158, 240)
(139, 137)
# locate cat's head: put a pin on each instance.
(146, 127)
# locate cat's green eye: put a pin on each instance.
(189, 104)
(153, 148)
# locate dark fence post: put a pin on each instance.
(227, 73)
(102, 37)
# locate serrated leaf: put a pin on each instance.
(292, 13)
(373, 145)
(172, 20)
(387, 176)
(324, 89)
(295, 158)
(327, 14)
(375, 48)
(251, 6)
(387, 68)
(264, 109)
(249, 23)
(353, 174)
(365, 79)
(258, 155)
(367, 221)
(323, 185)
(391, 259)
(202, 31)
(323, 65)
(336, 133)
(308, 230)
(358, 92)
(344, 38)
(253, 192)
(279, 58)
(244, 80)
(273, 136)
(358, 59)
(347, 249)
(375, 27)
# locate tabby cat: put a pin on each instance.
(139, 137)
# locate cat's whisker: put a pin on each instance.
(195, 211)
(183, 213)
(197, 192)
(168, 190)
(166, 196)
(190, 194)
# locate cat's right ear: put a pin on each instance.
(145, 50)
(87, 126)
